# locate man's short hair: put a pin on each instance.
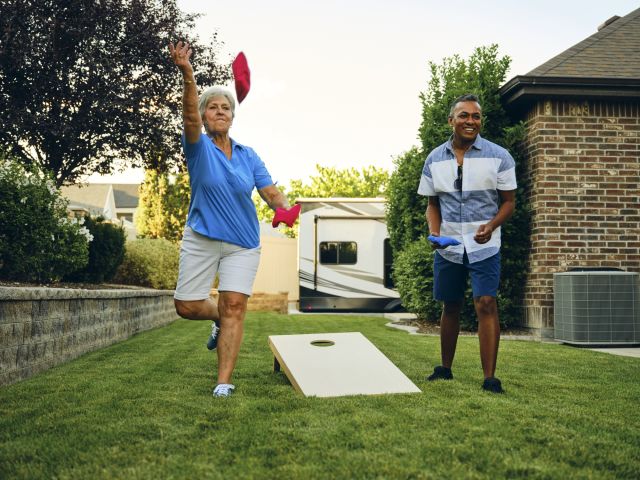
(468, 97)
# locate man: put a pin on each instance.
(471, 186)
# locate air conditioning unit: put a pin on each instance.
(596, 307)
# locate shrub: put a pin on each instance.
(405, 208)
(38, 241)
(413, 274)
(413, 277)
(149, 262)
(106, 252)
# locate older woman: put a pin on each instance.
(222, 233)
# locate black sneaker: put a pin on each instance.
(492, 384)
(440, 373)
(212, 343)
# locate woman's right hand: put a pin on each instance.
(181, 55)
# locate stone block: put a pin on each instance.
(9, 377)
(22, 356)
(10, 334)
(75, 306)
(36, 352)
(109, 305)
(40, 309)
(58, 309)
(12, 311)
(8, 358)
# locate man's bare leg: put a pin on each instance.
(488, 333)
(449, 331)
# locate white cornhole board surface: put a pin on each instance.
(351, 366)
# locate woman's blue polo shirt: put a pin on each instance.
(221, 206)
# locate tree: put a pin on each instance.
(164, 198)
(349, 182)
(163, 205)
(83, 83)
(482, 74)
(330, 182)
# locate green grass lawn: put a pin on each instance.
(143, 409)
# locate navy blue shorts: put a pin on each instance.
(450, 279)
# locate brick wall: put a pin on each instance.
(43, 327)
(264, 302)
(583, 179)
(269, 302)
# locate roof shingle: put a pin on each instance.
(126, 195)
(612, 52)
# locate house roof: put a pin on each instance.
(603, 65)
(612, 52)
(92, 197)
(126, 195)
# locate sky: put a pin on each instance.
(337, 83)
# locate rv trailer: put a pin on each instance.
(344, 256)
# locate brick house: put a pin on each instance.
(582, 115)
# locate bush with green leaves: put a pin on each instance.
(413, 277)
(38, 240)
(482, 74)
(106, 252)
(149, 262)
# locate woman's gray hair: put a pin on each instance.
(213, 92)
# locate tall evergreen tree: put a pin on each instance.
(163, 205)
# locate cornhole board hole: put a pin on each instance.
(337, 364)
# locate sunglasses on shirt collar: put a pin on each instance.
(457, 183)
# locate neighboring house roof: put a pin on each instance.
(606, 64)
(126, 195)
(97, 198)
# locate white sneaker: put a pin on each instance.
(223, 390)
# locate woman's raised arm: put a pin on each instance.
(181, 55)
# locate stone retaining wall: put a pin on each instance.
(43, 327)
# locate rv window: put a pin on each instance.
(348, 252)
(336, 253)
(388, 264)
(328, 252)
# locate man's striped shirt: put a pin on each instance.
(487, 168)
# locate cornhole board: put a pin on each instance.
(337, 364)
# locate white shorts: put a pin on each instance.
(201, 258)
